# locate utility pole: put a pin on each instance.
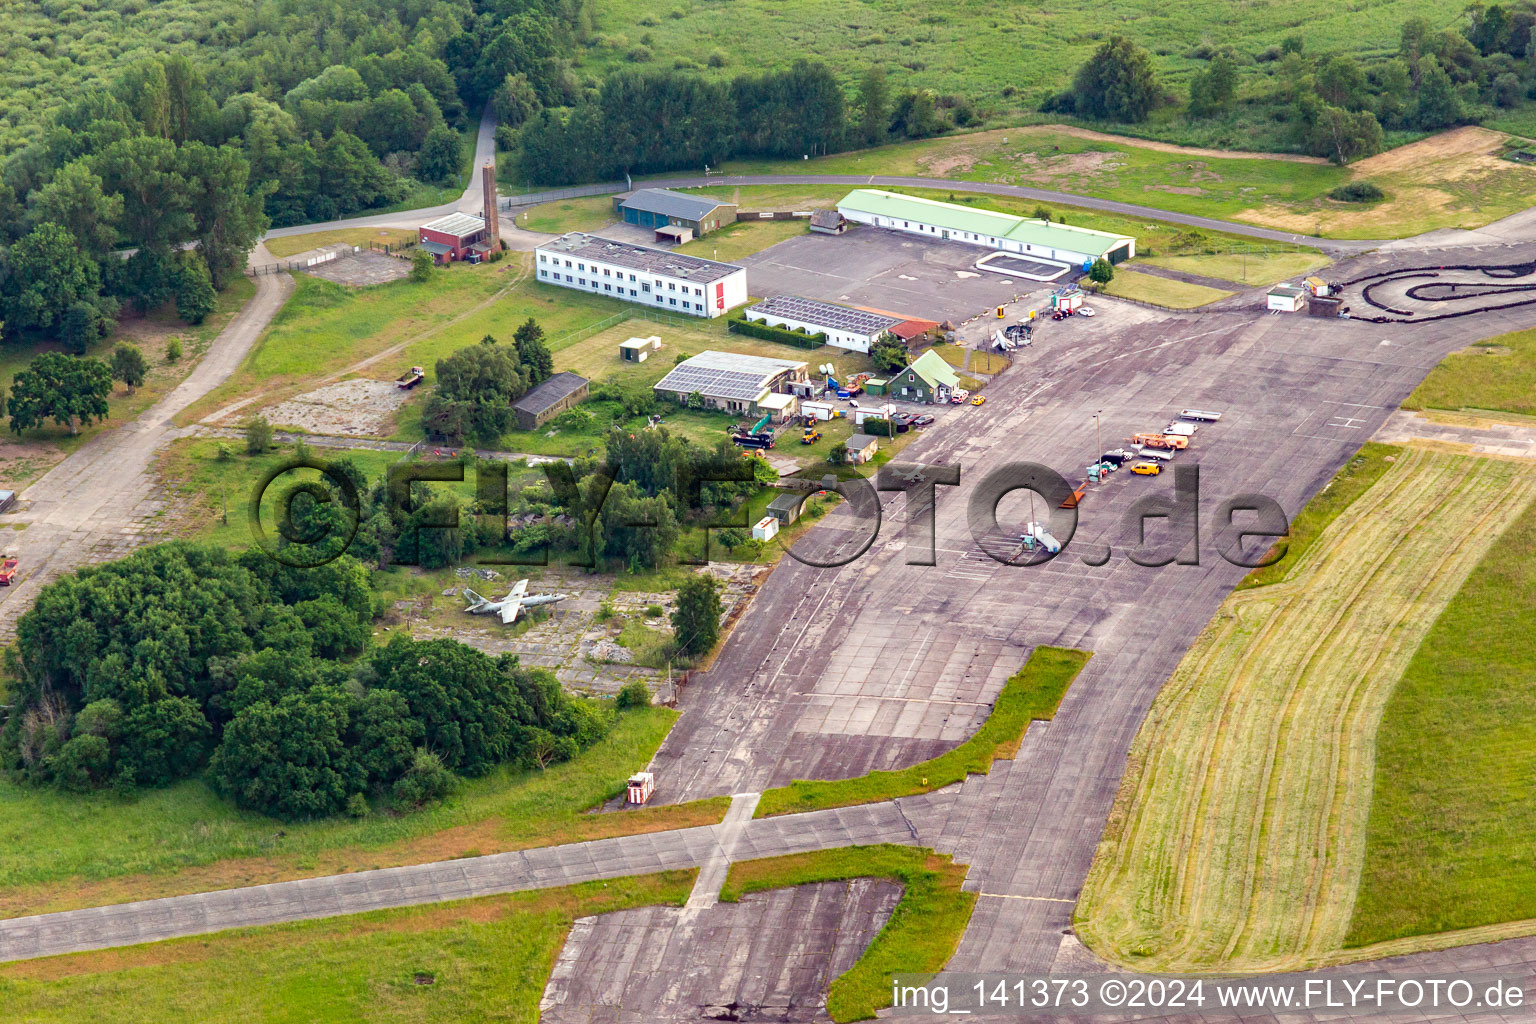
(1098, 440)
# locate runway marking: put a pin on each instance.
(1032, 899)
(904, 700)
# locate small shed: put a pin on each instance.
(766, 528)
(1317, 286)
(818, 410)
(1285, 298)
(640, 787)
(1323, 305)
(786, 507)
(675, 234)
(780, 407)
(862, 448)
(549, 400)
(875, 386)
(635, 350)
(828, 222)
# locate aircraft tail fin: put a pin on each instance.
(470, 597)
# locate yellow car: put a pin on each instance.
(1146, 469)
(979, 400)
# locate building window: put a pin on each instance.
(605, 272)
(631, 277)
(582, 281)
(607, 287)
(673, 301)
(631, 293)
(567, 278)
(581, 266)
(699, 306)
(645, 287)
(543, 258)
(671, 287)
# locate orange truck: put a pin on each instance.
(7, 571)
(1173, 441)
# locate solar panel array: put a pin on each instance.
(824, 315)
(725, 375)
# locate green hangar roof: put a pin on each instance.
(992, 223)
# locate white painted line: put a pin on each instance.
(1034, 899)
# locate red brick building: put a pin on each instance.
(454, 237)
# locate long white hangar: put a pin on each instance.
(637, 273)
(1060, 244)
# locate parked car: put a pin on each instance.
(979, 400)
(1086, 311)
(923, 421)
(1146, 469)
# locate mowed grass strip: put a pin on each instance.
(923, 931)
(1357, 476)
(1161, 291)
(1497, 374)
(1238, 836)
(1454, 806)
(483, 959)
(60, 851)
(1033, 692)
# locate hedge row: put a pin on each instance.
(796, 338)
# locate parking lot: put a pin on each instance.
(870, 267)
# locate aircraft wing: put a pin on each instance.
(509, 609)
(518, 590)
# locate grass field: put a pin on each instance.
(923, 931)
(1496, 375)
(587, 213)
(1448, 843)
(63, 850)
(1033, 692)
(1160, 291)
(1357, 476)
(292, 245)
(1238, 836)
(482, 960)
(743, 238)
(1261, 268)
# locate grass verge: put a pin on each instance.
(1033, 692)
(1496, 374)
(285, 246)
(1454, 803)
(1161, 291)
(1357, 476)
(922, 934)
(483, 959)
(1238, 837)
(59, 851)
(1250, 270)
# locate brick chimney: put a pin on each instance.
(488, 198)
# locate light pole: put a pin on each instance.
(1098, 440)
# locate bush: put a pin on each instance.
(638, 55)
(82, 763)
(173, 350)
(741, 325)
(425, 781)
(1357, 192)
(421, 265)
(1102, 272)
(258, 435)
(633, 695)
(653, 611)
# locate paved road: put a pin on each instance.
(99, 502)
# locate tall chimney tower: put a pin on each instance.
(488, 197)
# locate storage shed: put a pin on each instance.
(862, 448)
(1286, 298)
(452, 237)
(662, 209)
(635, 350)
(549, 400)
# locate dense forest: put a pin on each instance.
(183, 660)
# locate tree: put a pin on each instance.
(258, 435)
(195, 297)
(226, 212)
(696, 619)
(165, 741)
(539, 364)
(74, 200)
(1211, 91)
(81, 326)
(874, 106)
(67, 389)
(890, 353)
(421, 265)
(514, 101)
(1341, 83)
(1117, 83)
(441, 156)
(1343, 136)
(474, 392)
(48, 274)
(128, 365)
(1102, 271)
(1438, 104)
(173, 350)
(290, 759)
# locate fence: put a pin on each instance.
(638, 313)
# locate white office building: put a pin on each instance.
(856, 330)
(657, 278)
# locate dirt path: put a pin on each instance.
(1166, 147)
(1238, 837)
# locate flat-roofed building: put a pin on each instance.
(856, 330)
(731, 381)
(656, 278)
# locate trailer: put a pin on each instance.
(8, 571)
(1160, 440)
(1200, 415)
(410, 379)
(1181, 429)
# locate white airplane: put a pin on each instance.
(510, 606)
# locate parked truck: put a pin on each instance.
(746, 440)
(410, 379)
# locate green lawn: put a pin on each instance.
(291, 245)
(588, 213)
(923, 931)
(1160, 291)
(1349, 483)
(1454, 806)
(743, 239)
(1496, 374)
(1033, 692)
(59, 850)
(481, 960)
(1261, 266)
